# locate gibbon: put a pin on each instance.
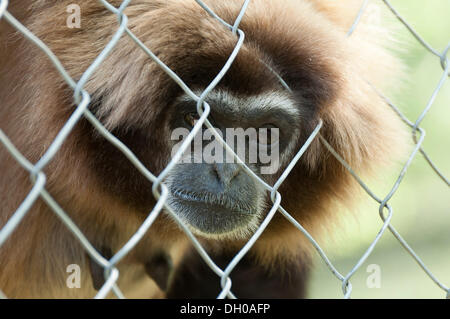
(303, 42)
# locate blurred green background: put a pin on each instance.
(422, 203)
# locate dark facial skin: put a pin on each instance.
(221, 198)
(214, 198)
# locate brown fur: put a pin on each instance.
(303, 40)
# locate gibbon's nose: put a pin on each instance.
(226, 172)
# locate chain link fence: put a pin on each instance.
(160, 191)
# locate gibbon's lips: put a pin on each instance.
(212, 214)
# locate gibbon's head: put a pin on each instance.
(329, 78)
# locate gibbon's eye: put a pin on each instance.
(191, 119)
(268, 135)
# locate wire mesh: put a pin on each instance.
(160, 191)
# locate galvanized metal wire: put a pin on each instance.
(82, 99)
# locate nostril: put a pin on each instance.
(226, 172)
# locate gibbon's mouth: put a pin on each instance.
(213, 215)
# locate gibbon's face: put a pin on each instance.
(209, 190)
